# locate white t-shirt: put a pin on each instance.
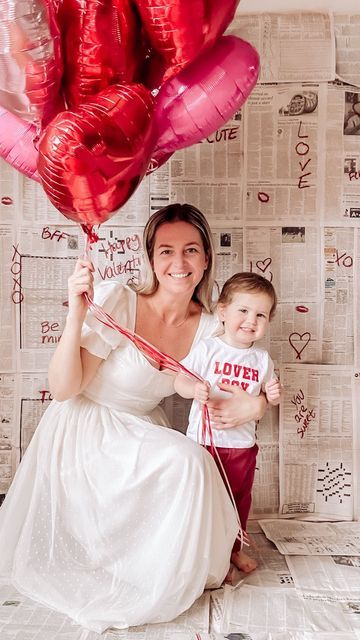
(217, 362)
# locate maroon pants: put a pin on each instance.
(239, 466)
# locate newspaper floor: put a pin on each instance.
(286, 598)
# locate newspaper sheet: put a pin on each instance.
(265, 493)
(261, 610)
(288, 257)
(338, 304)
(316, 441)
(209, 174)
(335, 577)
(293, 537)
(45, 257)
(10, 201)
(42, 261)
(284, 39)
(24, 619)
(228, 244)
(9, 296)
(347, 39)
(351, 170)
(24, 398)
(8, 430)
(284, 141)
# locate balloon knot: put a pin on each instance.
(92, 236)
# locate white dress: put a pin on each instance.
(113, 518)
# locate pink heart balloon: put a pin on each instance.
(204, 95)
(17, 144)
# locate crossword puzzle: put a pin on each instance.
(334, 481)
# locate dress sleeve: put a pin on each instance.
(118, 301)
(209, 327)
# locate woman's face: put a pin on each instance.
(179, 259)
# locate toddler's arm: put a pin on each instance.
(273, 391)
(188, 388)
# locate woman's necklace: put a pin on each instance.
(172, 326)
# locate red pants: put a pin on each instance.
(239, 466)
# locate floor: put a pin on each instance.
(265, 605)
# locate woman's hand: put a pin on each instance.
(81, 281)
(234, 411)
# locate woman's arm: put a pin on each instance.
(239, 408)
(71, 367)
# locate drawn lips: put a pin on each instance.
(6, 200)
(302, 309)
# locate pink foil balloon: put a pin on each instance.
(30, 60)
(17, 144)
(204, 95)
(92, 159)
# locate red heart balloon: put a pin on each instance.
(91, 160)
(179, 29)
(100, 44)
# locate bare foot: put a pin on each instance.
(242, 561)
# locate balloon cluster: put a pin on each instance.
(95, 94)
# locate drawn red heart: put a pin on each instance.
(302, 338)
(262, 265)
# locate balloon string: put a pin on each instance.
(166, 361)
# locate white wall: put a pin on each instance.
(297, 5)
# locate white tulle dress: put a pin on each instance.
(113, 518)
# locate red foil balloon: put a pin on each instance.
(204, 95)
(179, 29)
(91, 160)
(101, 46)
(30, 60)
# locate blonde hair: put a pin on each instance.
(179, 213)
(251, 282)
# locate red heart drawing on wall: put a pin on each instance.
(303, 338)
(262, 265)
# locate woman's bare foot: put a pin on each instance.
(242, 561)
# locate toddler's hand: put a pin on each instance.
(273, 391)
(202, 391)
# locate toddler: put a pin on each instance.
(246, 305)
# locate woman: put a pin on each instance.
(112, 518)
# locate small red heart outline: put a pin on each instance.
(262, 265)
(303, 337)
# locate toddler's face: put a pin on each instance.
(246, 318)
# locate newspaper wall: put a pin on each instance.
(280, 185)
